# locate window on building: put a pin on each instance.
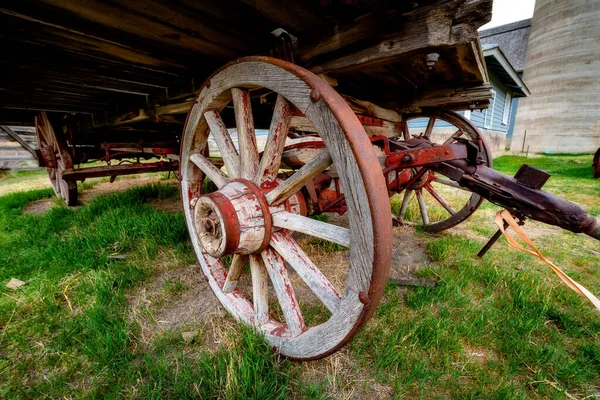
(507, 104)
(489, 112)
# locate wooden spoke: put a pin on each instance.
(260, 290)
(429, 128)
(301, 177)
(405, 202)
(271, 159)
(287, 247)
(449, 182)
(456, 134)
(405, 131)
(245, 132)
(277, 271)
(234, 273)
(440, 199)
(209, 169)
(422, 206)
(224, 143)
(312, 227)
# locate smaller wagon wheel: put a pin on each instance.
(248, 235)
(56, 159)
(438, 202)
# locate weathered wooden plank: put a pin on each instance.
(462, 95)
(122, 17)
(425, 28)
(117, 170)
(20, 140)
(295, 17)
(17, 157)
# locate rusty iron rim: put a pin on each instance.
(370, 172)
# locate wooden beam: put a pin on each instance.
(18, 157)
(446, 97)
(21, 141)
(423, 30)
(117, 170)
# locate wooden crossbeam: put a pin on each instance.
(117, 170)
(17, 138)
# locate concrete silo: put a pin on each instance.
(562, 70)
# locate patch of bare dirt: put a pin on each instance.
(39, 207)
(174, 299)
(119, 185)
(408, 254)
(167, 205)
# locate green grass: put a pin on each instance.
(93, 350)
(501, 327)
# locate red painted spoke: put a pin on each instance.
(280, 279)
(312, 227)
(422, 206)
(405, 131)
(456, 134)
(230, 156)
(214, 173)
(234, 273)
(301, 177)
(405, 202)
(429, 127)
(289, 249)
(271, 159)
(245, 132)
(260, 290)
(440, 199)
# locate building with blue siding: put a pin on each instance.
(507, 86)
(512, 40)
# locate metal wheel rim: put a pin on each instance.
(368, 199)
(471, 131)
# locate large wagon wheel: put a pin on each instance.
(56, 157)
(253, 214)
(441, 202)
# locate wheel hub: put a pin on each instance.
(424, 179)
(234, 219)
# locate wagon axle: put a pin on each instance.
(462, 163)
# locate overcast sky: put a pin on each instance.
(507, 11)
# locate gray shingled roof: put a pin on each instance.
(512, 39)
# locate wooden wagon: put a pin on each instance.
(347, 95)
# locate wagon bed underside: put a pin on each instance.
(114, 64)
